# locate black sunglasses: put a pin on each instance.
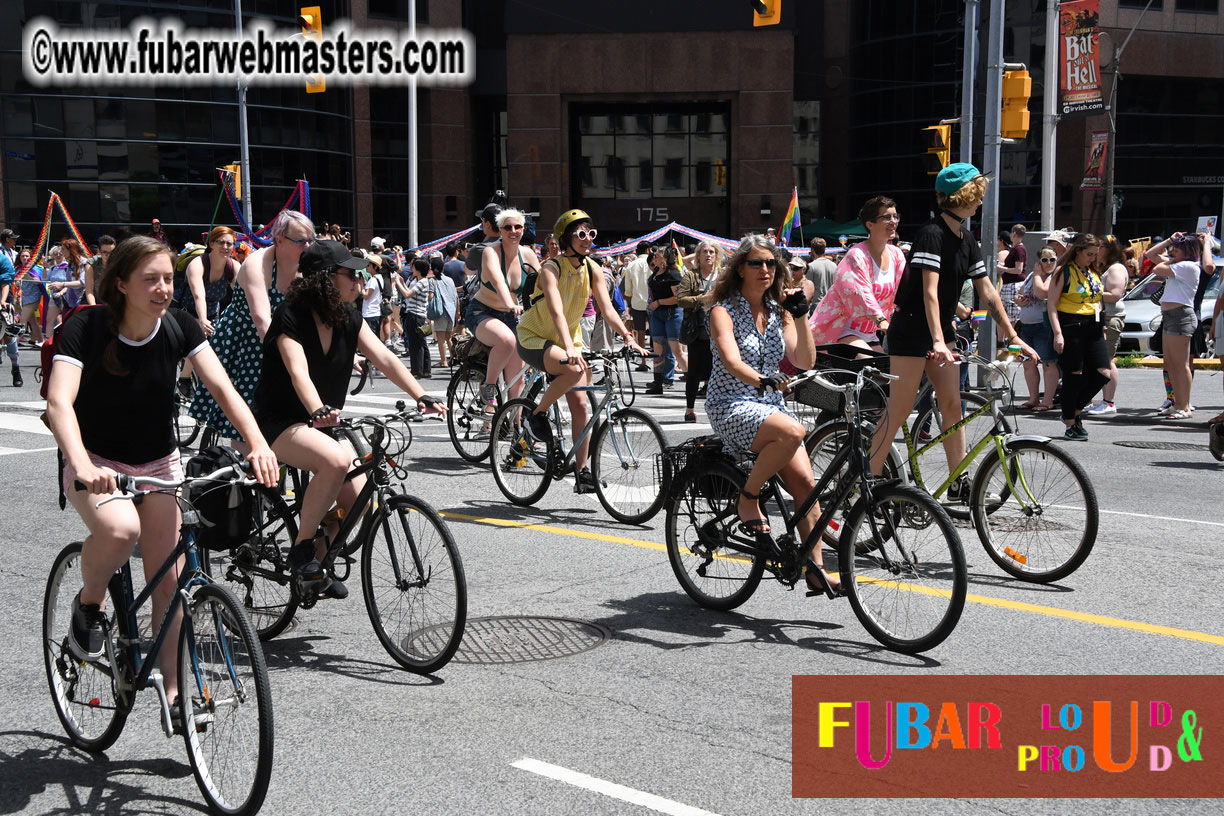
(757, 263)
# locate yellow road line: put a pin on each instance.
(985, 600)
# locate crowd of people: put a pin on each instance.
(274, 334)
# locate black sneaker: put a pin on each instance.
(584, 482)
(17, 381)
(642, 367)
(958, 493)
(87, 634)
(539, 427)
(654, 389)
(1076, 433)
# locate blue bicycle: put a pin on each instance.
(224, 710)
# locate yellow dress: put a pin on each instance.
(536, 326)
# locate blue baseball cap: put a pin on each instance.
(955, 176)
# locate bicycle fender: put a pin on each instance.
(1027, 438)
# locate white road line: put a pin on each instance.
(1162, 518)
(634, 797)
(26, 423)
(11, 451)
(32, 404)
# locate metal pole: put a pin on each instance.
(991, 146)
(1113, 125)
(972, 11)
(1049, 118)
(244, 147)
(413, 240)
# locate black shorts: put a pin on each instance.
(909, 336)
(533, 357)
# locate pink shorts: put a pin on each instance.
(168, 467)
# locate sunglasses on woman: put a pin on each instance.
(513, 227)
(351, 274)
(582, 234)
(302, 242)
(757, 263)
(1048, 260)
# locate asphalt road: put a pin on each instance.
(679, 703)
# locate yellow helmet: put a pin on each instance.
(566, 219)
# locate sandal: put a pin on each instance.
(1028, 406)
(753, 527)
(817, 585)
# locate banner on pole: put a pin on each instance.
(1094, 173)
(1079, 80)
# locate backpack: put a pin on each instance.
(226, 511)
(435, 310)
(51, 346)
(180, 272)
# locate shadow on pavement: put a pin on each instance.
(300, 653)
(90, 783)
(633, 619)
(1007, 582)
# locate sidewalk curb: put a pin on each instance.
(1199, 362)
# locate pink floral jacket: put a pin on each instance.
(855, 298)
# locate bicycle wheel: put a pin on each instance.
(1043, 525)
(414, 586)
(186, 427)
(717, 566)
(908, 588)
(624, 461)
(521, 468)
(466, 418)
(227, 702)
(932, 464)
(822, 445)
(257, 570)
(84, 693)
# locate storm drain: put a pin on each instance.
(1149, 445)
(510, 639)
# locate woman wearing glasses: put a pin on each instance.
(308, 355)
(1035, 330)
(209, 278)
(263, 279)
(493, 314)
(550, 334)
(754, 321)
(859, 302)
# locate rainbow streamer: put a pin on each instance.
(979, 315)
(300, 196)
(791, 221)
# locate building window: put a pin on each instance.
(1200, 6)
(1156, 4)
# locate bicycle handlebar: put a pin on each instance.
(238, 474)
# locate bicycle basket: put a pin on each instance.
(225, 510)
(676, 458)
(837, 361)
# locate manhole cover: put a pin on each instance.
(1149, 445)
(520, 639)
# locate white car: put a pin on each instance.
(1143, 320)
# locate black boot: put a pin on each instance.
(17, 381)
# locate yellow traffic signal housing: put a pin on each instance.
(766, 12)
(939, 147)
(236, 169)
(311, 19)
(1017, 87)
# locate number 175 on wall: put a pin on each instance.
(652, 214)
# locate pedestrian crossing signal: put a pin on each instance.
(939, 147)
(766, 12)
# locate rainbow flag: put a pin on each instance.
(679, 255)
(791, 221)
(979, 315)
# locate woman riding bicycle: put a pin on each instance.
(860, 300)
(754, 320)
(307, 361)
(550, 333)
(110, 406)
(943, 256)
(493, 314)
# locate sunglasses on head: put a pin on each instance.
(583, 234)
(757, 263)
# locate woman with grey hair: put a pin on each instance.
(754, 320)
(263, 280)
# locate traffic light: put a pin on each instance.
(939, 147)
(766, 12)
(236, 169)
(311, 20)
(1017, 87)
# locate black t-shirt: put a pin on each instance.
(660, 285)
(128, 418)
(276, 403)
(939, 251)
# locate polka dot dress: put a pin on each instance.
(734, 407)
(237, 346)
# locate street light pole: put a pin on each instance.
(244, 147)
(413, 240)
(1049, 118)
(972, 12)
(1113, 124)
